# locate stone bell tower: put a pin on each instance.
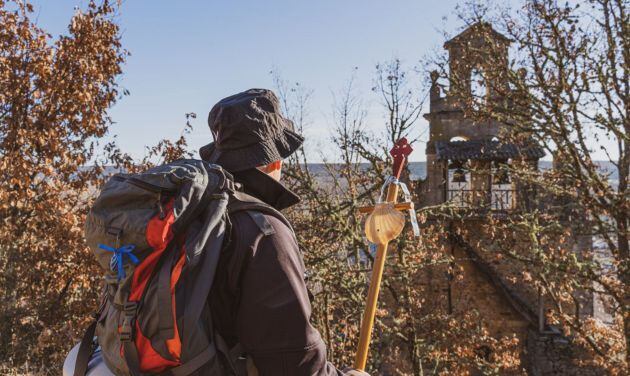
(459, 147)
(469, 167)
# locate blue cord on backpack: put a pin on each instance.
(119, 254)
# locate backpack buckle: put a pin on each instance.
(129, 319)
(126, 331)
(130, 307)
(230, 185)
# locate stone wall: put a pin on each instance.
(551, 354)
(475, 291)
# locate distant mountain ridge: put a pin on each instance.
(419, 169)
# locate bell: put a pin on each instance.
(459, 176)
(384, 224)
(501, 177)
(501, 174)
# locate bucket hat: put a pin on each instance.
(249, 131)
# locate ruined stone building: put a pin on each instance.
(466, 166)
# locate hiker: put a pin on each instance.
(259, 298)
(258, 302)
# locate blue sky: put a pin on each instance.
(187, 55)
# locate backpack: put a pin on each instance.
(158, 236)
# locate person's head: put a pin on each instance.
(250, 132)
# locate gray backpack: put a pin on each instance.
(158, 236)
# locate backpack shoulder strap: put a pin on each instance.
(255, 208)
(87, 344)
(86, 349)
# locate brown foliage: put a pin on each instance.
(54, 97)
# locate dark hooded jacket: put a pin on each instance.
(259, 297)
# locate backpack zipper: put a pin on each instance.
(160, 191)
(143, 184)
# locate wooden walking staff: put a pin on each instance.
(383, 225)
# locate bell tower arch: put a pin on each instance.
(478, 53)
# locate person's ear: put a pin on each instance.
(271, 167)
(275, 166)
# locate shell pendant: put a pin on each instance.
(384, 224)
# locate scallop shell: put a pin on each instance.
(384, 224)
